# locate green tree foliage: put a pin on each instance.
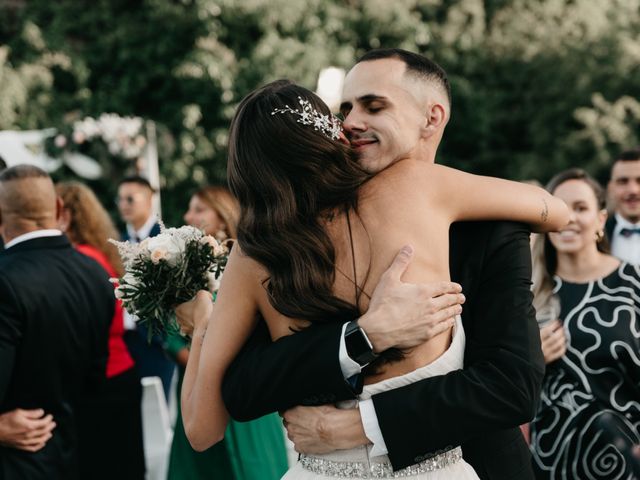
(538, 86)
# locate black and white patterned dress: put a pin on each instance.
(589, 415)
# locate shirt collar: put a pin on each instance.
(144, 231)
(621, 223)
(51, 232)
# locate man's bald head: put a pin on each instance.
(28, 201)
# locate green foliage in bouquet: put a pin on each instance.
(164, 271)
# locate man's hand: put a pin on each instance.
(27, 430)
(404, 315)
(553, 340)
(317, 430)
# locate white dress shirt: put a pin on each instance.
(51, 232)
(143, 232)
(368, 415)
(626, 248)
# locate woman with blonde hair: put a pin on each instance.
(214, 210)
(109, 421)
(250, 450)
(587, 301)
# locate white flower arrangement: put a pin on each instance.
(166, 270)
(122, 135)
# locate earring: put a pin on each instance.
(599, 235)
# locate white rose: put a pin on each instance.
(144, 244)
(173, 245)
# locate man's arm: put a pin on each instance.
(500, 385)
(10, 334)
(304, 368)
(498, 388)
(299, 369)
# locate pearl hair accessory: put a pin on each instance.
(327, 124)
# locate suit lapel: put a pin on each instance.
(610, 226)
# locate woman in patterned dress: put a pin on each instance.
(588, 421)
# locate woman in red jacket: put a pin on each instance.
(109, 421)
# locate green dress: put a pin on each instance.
(249, 451)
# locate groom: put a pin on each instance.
(396, 105)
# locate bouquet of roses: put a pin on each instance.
(166, 270)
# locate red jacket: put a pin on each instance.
(119, 358)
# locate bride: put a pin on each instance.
(316, 233)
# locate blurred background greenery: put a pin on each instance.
(538, 85)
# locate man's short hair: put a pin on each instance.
(22, 171)
(138, 180)
(417, 65)
(629, 155)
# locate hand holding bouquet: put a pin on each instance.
(166, 270)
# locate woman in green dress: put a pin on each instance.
(252, 450)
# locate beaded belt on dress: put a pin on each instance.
(378, 470)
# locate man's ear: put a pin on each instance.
(59, 207)
(435, 118)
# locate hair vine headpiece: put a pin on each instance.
(327, 124)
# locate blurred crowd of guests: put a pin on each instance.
(72, 358)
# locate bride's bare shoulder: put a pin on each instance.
(406, 181)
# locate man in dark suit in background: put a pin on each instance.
(135, 204)
(55, 306)
(623, 227)
(480, 407)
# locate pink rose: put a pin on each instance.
(60, 141)
(158, 254)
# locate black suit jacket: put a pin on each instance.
(479, 407)
(610, 226)
(155, 230)
(56, 306)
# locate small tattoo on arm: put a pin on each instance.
(544, 215)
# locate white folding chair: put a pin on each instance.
(156, 428)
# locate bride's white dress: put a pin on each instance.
(357, 462)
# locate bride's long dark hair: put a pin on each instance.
(286, 175)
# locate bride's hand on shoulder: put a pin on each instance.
(194, 314)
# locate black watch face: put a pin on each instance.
(357, 346)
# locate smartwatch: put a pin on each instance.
(359, 347)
